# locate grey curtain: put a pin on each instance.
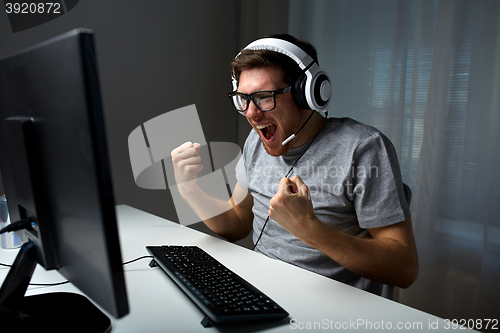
(427, 73)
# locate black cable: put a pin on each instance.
(136, 259)
(59, 283)
(49, 284)
(18, 225)
(64, 282)
(39, 284)
(287, 174)
(304, 124)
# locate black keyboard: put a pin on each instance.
(221, 294)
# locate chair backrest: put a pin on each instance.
(407, 193)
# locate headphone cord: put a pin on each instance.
(287, 174)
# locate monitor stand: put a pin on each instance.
(51, 312)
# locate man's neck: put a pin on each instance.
(311, 129)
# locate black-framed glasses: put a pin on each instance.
(264, 100)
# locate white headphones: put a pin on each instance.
(312, 90)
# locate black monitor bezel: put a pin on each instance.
(59, 235)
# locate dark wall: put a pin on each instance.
(156, 56)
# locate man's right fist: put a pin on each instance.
(187, 165)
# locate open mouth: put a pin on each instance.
(268, 131)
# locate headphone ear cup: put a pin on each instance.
(299, 92)
(322, 90)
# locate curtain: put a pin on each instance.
(427, 74)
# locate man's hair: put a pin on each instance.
(249, 59)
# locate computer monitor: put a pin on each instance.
(56, 175)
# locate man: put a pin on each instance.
(342, 214)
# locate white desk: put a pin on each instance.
(158, 305)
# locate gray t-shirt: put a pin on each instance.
(354, 179)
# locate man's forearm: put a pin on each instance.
(384, 259)
(219, 215)
(390, 256)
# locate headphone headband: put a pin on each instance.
(282, 46)
(312, 90)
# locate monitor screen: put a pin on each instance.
(55, 169)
